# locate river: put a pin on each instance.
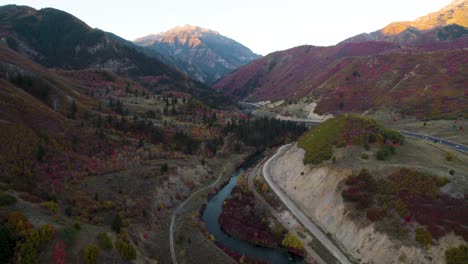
(211, 219)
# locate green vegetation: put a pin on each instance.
(124, 247)
(28, 250)
(346, 130)
(51, 206)
(423, 236)
(68, 235)
(104, 240)
(164, 168)
(385, 152)
(264, 132)
(117, 223)
(457, 255)
(90, 254)
(7, 244)
(7, 199)
(18, 223)
(292, 241)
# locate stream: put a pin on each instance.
(211, 217)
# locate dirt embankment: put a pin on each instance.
(317, 191)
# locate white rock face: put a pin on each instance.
(312, 115)
(315, 191)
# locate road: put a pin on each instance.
(179, 209)
(455, 146)
(306, 222)
(250, 176)
(458, 147)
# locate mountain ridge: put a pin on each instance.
(430, 26)
(204, 54)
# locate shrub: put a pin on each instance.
(125, 249)
(364, 156)
(59, 253)
(68, 235)
(449, 156)
(28, 250)
(375, 214)
(18, 223)
(7, 199)
(105, 242)
(451, 172)
(423, 236)
(77, 226)
(51, 206)
(401, 208)
(457, 255)
(90, 254)
(292, 241)
(27, 253)
(385, 152)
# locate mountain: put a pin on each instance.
(426, 80)
(57, 39)
(450, 22)
(203, 54)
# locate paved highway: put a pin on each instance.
(317, 232)
(455, 146)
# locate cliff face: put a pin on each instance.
(317, 192)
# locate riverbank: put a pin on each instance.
(191, 245)
(243, 219)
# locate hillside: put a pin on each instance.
(77, 46)
(203, 54)
(421, 80)
(450, 22)
(79, 148)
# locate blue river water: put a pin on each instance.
(211, 218)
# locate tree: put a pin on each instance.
(7, 244)
(125, 249)
(73, 109)
(59, 253)
(117, 223)
(164, 168)
(105, 242)
(90, 254)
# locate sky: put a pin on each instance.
(263, 26)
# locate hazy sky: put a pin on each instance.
(262, 25)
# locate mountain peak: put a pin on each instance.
(202, 53)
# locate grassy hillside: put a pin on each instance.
(342, 131)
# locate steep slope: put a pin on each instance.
(203, 54)
(57, 39)
(423, 80)
(450, 22)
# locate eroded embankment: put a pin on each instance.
(317, 191)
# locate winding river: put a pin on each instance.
(211, 216)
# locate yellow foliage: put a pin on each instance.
(292, 241)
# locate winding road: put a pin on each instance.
(179, 209)
(306, 222)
